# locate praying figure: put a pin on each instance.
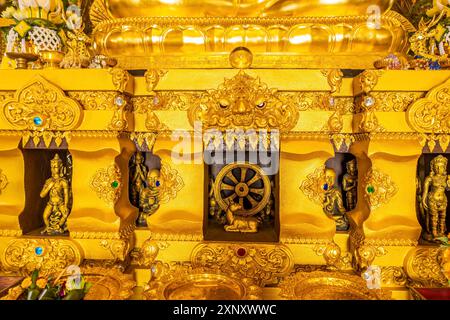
(333, 205)
(350, 184)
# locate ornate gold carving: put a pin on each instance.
(368, 80)
(117, 248)
(366, 254)
(184, 282)
(119, 121)
(144, 140)
(94, 100)
(334, 78)
(431, 141)
(41, 105)
(262, 262)
(332, 254)
(393, 276)
(152, 123)
(3, 181)
(146, 255)
(45, 136)
(167, 100)
(6, 95)
(424, 265)
(431, 113)
(321, 285)
(177, 236)
(107, 184)
(340, 139)
(171, 183)
(152, 77)
(48, 255)
(120, 78)
(10, 233)
(387, 101)
(390, 242)
(244, 102)
(312, 186)
(379, 188)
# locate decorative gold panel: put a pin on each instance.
(312, 186)
(3, 181)
(25, 255)
(431, 113)
(243, 102)
(41, 105)
(171, 183)
(264, 263)
(423, 265)
(379, 188)
(106, 183)
(393, 276)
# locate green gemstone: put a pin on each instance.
(115, 184)
(370, 189)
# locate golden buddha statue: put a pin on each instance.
(350, 184)
(139, 174)
(434, 200)
(57, 187)
(149, 197)
(333, 205)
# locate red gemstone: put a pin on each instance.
(241, 252)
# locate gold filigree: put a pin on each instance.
(152, 122)
(432, 140)
(366, 254)
(379, 188)
(431, 113)
(119, 120)
(41, 105)
(393, 276)
(177, 236)
(340, 139)
(312, 186)
(387, 101)
(6, 95)
(47, 137)
(120, 78)
(144, 140)
(167, 100)
(368, 80)
(244, 102)
(146, 255)
(118, 248)
(332, 254)
(3, 181)
(48, 255)
(198, 283)
(171, 183)
(94, 100)
(263, 263)
(152, 77)
(10, 233)
(325, 285)
(107, 184)
(334, 78)
(423, 265)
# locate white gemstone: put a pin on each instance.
(331, 101)
(369, 101)
(119, 101)
(155, 100)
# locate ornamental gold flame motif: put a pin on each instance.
(379, 188)
(244, 102)
(106, 183)
(171, 183)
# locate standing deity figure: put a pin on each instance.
(149, 197)
(333, 205)
(139, 174)
(350, 184)
(434, 200)
(57, 188)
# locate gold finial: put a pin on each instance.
(241, 58)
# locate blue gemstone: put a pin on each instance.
(157, 183)
(37, 121)
(325, 186)
(38, 251)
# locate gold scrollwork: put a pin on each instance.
(431, 113)
(393, 276)
(366, 254)
(41, 105)
(334, 78)
(386, 101)
(340, 139)
(244, 102)
(262, 262)
(48, 255)
(144, 140)
(3, 181)
(171, 183)
(120, 78)
(107, 184)
(152, 77)
(117, 248)
(312, 186)
(423, 265)
(146, 255)
(379, 188)
(94, 100)
(333, 256)
(368, 80)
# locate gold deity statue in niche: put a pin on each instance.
(434, 200)
(149, 197)
(57, 208)
(139, 174)
(333, 205)
(350, 184)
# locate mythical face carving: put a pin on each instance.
(244, 102)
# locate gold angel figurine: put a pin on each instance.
(434, 200)
(350, 184)
(333, 206)
(57, 188)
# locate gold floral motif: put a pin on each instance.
(379, 188)
(146, 255)
(332, 254)
(152, 122)
(325, 285)
(119, 120)
(423, 265)
(42, 100)
(3, 181)
(167, 100)
(431, 113)
(366, 254)
(185, 282)
(107, 184)
(48, 255)
(120, 78)
(368, 80)
(432, 140)
(386, 101)
(340, 139)
(6, 95)
(144, 140)
(45, 136)
(312, 186)
(171, 183)
(94, 100)
(262, 262)
(244, 102)
(152, 77)
(334, 77)
(117, 248)
(392, 276)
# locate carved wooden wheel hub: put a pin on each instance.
(242, 183)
